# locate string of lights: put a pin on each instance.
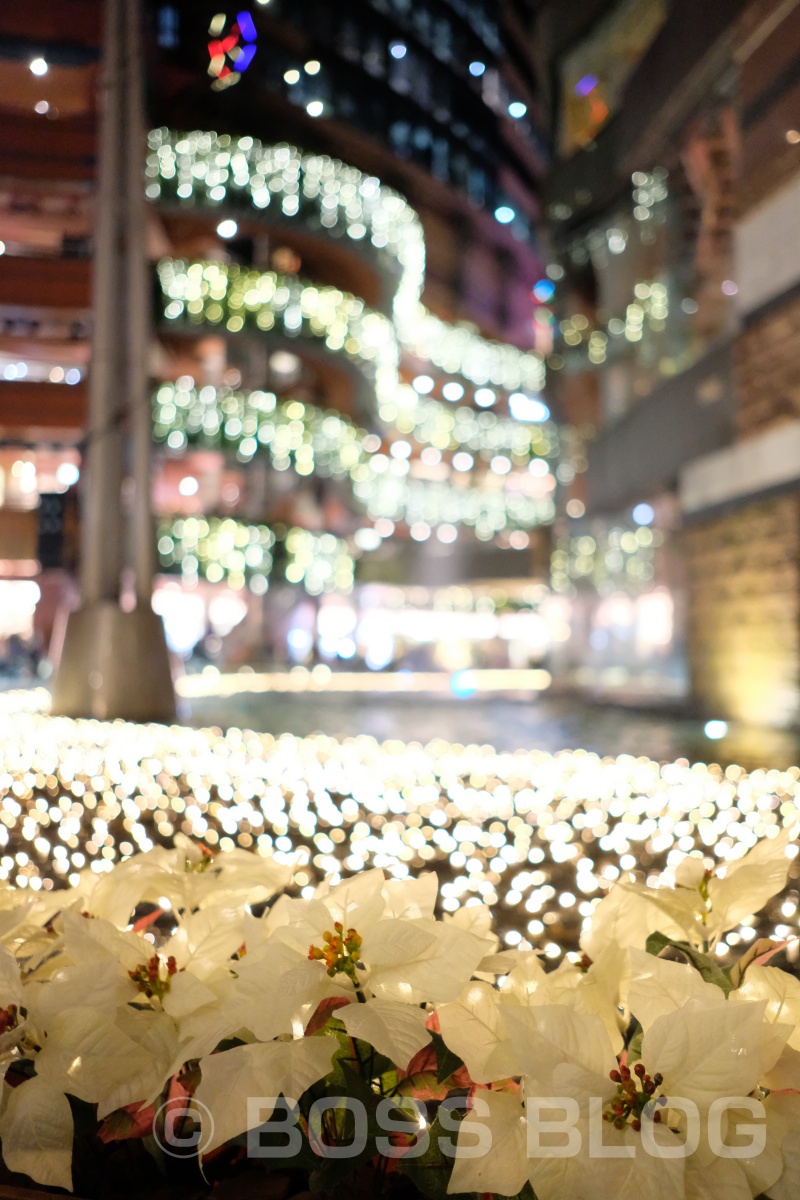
(491, 480)
(607, 558)
(538, 837)
(220, 549)
(211, 169)
(237, 298)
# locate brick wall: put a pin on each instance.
(767, 369)
(744, 612)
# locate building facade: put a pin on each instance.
(671, 209)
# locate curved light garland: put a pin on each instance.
(244, 298)
(220, 549)
(308, 441)
(211, 169)
(204, 168)
(539, 837)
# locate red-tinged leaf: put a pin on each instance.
(127, 1123)
(422, 1063)
(423, 1086)
(146, 921)
(325, 1009)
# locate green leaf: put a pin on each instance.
(447, 1063)
(704, 963)
(328, 1173)
(431, 1171)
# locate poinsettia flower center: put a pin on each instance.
(340, 952)
(151, 979)
(636, 1092)
(9, 1018)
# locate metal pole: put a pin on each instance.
(101, 543)
(138, 315)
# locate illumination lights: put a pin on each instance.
(541, 838)
(423, 385)
(307, 440)
(224, 550)
(38, 66)
(609, 558)
(236, 298)
(211, 168)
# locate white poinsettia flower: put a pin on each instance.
(780, 990)
(474, 1027)
(187, 875)
(630, 913)
(700, 909)
(264, 1071)
(697, 1047)
(748, 883)
(110, 1061)
(181, 991)
(37, 1132)
(403, 953)
(659, 987)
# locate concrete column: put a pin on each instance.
(115, 663)
(137, 374)
(101, 515)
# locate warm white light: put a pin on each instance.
(312, 67)
(315, 108)
(367, 539)
(38, 66)
(188, 486)
(714, 730)
(452, 391)
(227, 228)
(291, 77)
(485, 397)
(41, 107)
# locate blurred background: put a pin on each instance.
(470, 376)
